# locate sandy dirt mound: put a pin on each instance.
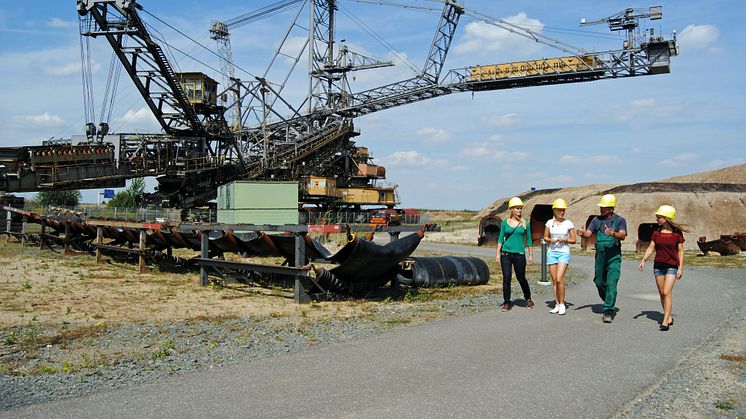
(732, 174)
(710, 203)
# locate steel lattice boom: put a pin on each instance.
(198, 150)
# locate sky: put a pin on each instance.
(460, 151)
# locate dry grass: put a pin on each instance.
(47, 289)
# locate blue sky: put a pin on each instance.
(461, 151)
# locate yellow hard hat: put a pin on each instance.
(667, 211)
(559, 203)
(515, 202)
(608, 200)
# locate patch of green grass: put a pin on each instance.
(67, 367)
(724, 405)
(48, 369)
(25, 285)
(164, 350)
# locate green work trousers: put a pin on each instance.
(608, 269)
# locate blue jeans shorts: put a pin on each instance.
(664, 271)
(554, 258)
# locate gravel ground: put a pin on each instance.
(701, 385)
(166, 349)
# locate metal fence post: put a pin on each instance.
(204, 280)
(543, 280)
(301, 288)
(8, 226)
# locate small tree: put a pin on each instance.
(129, 197)
(58, 198)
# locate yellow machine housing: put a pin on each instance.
(199, 88)
(543, 67)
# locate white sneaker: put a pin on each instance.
(555, 310)
(562, 310)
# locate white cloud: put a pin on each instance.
(141, 119)
(292, 47)
(65, 69)
(484, 151)
(477, 152)
(644, 109)
(434, 135)
(481, 37)
(44, 119)
(458, 168)
(501, 120)
(698, 36)
(56, 22)
(636, 150)
(511, 155)
(569, 158)
(679, 159)
(412, 159)
(642, 103)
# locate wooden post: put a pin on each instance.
(43, 232)
(67, 238)
(99, 241)
(142, 267)
(7, 226)
(23, 231)
(204, 254)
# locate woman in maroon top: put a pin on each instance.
(668, 265)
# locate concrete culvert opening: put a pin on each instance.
(587, 242)
(489, 230)
(540, 214)
(644, 235)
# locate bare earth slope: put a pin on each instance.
(731, 174)
(710, 203)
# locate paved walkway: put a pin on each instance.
(525, 363)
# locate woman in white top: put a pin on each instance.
(560, 234)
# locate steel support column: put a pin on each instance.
(302, 284)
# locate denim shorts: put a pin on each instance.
(664, 271)
(554, 258)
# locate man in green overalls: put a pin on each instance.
(610, 230)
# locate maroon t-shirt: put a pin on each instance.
(667, 247)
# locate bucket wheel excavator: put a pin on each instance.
(248, 130)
